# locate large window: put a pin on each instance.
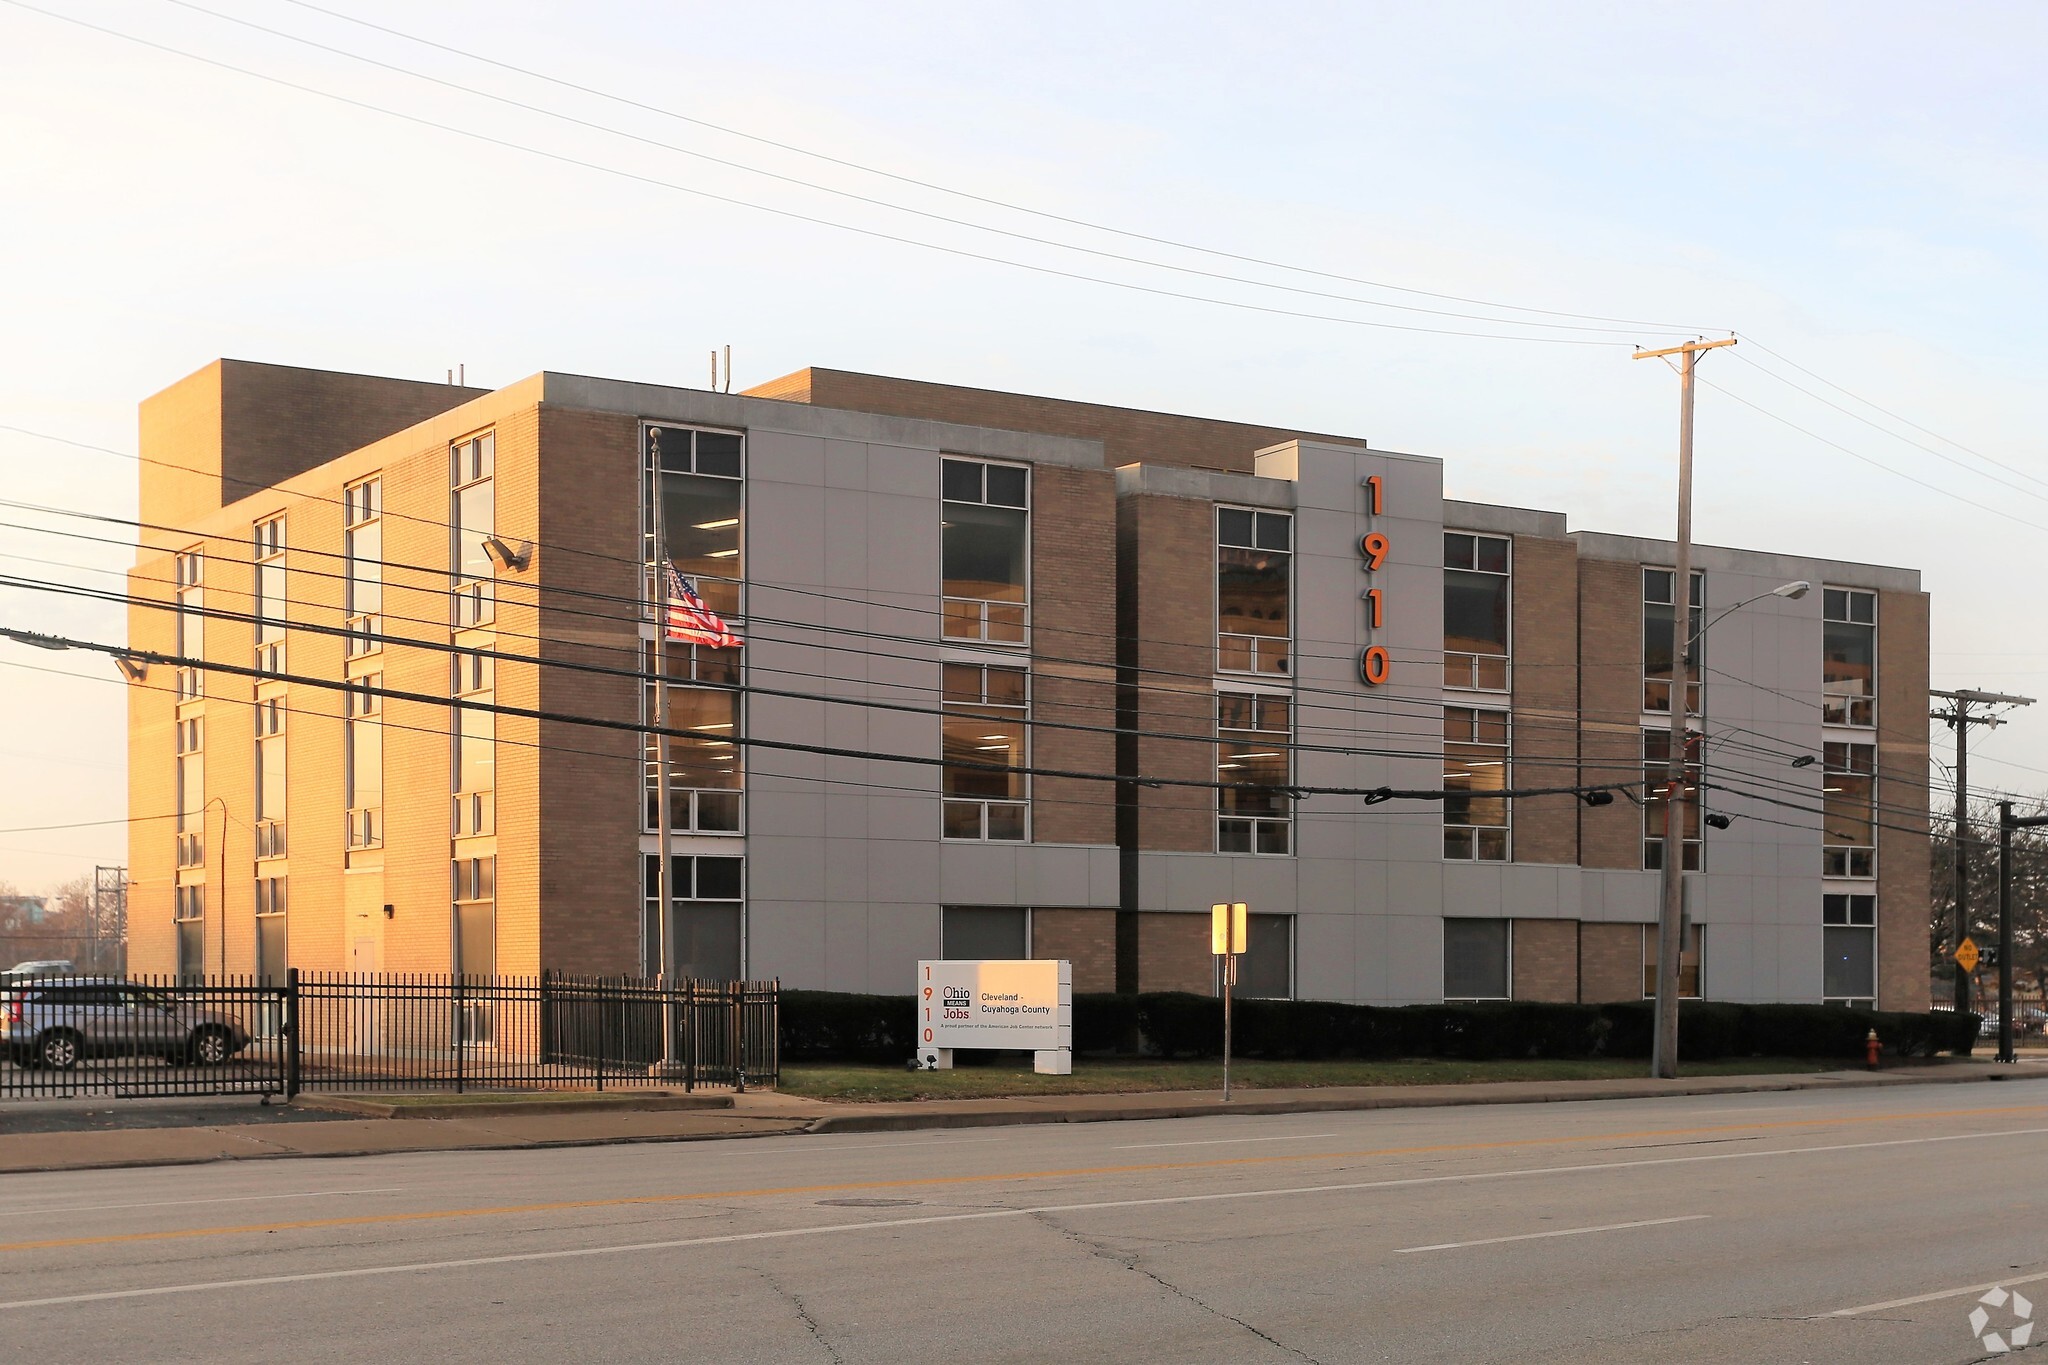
(984, 549)
(191, 778)
(188, 919)
(694, 477)
(1849, 668)
(1849, 949)
(1691, 981)
(475, 777)
(1265, 970)
(1656, 773)
(191, 622)
(706, 770)
(270, 922)
(1476, 959)
(270, 595)
(707, 921)
(1254, 584)
(1849, 805)
(1253, 735)
(1475, 775)
(472, 520)
(365, 756)
(985, 710)
(270, 778)
(1657, 613)
(473, 942)
(1476, 611)
(978, 934)
(362, 516)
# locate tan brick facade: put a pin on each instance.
(1073, 637)
(1167, 554)
(1610, 963)
(1546, 701)
(1545, 955)
(1086, 938)
(1174, 953)
(1610, 680)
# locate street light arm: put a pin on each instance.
(1788, 590)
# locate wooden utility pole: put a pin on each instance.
(1664, 1048)
(1959, 719)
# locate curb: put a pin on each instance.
(492, 1109)
(1312, 1104)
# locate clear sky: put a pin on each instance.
(1858, 187)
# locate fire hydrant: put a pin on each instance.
(1871, 1047)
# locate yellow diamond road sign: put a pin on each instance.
(1966, 955)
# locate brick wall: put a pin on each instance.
(1128, 435)
(1903, 877)
(1546, 960)
(1086, 938)
(1546, 609)
(1173, 953)
(1073, 627)
(590, 893)
(1610, 962)
(1168, 549)
(1610, 707)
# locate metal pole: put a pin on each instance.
(1664, 1055)
(1962, 845)
(1229, 980)
(664, 887)
(2005, 827)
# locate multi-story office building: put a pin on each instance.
(1019, 677)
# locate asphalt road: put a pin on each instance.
(1806, 1227)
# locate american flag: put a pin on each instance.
(690, 621)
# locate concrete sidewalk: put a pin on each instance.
(764, 1114)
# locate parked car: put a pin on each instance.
(67, 1021)
(52, 966)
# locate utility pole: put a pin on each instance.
(1959, 719)
(1664, 1049)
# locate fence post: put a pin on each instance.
(456, 1032)
(736, 1021)
(291, 1032)
(689, 1033)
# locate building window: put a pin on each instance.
(191, 760)
(191, 622)
(270, 595)
(270, 913)
(1691, 981)
(188, 912)
(706, 770)
(362, 537)
(1476, 959)
(985, 709)
(1849, 670)
(473, 943)
(472, 520)
(696, 478)
(977, 934)
(1657, 610)
(1254, 583)
(707, 920)
(1849, 949)
(1849, 810)
(984, 550)
(1476, 600)
(1656, 773)
(270, 777)
(1475, 775)
(474, 777)
(1252, 806)
(1265, 970)
(365, 758)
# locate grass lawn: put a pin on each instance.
(835, 1081)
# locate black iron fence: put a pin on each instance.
(131, 1036)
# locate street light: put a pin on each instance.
(29, 637)
(1670, 918)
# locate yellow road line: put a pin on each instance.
(628, 1201)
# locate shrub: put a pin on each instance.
(835, 1026)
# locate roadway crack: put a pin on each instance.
(803, 1314)
(1130, 1261)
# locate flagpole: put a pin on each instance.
(663, 882)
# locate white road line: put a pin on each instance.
(813, 1146)
(1937, 1294)
(1409, 1182)
(173, 1203)
(1218, 1142)
(1559, 1232)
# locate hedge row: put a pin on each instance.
(831, 1026)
